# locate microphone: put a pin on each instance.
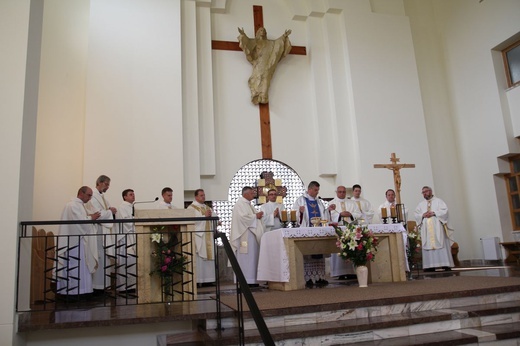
(133, 205)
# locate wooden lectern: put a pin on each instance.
(149, 286)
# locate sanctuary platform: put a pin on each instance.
(468, 306)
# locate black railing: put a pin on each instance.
(243, 290)
(49, 276)
(42, 252)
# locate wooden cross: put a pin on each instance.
(395, 167)
(265, 121)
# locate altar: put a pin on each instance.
(282, 250)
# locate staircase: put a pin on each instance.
(492, 319)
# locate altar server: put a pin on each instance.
(272, 212)
(364, 206)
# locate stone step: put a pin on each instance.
(352, 329)
(455, 326)
(492, 334)
(195, 338)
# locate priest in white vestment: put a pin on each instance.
(367, 213)
(77, 253)
(307, 206)
(126, 241)
(105, 239)
(246, 231)
(272, 212)
(390, 205)
(342, 210)
(432, 217)
(204, 240)
(167, 197)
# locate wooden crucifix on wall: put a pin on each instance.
(396, 167)
(265, 122)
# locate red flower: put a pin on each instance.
(167, 260)
(164, 268)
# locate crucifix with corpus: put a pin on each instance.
(253, 47)
(396, 167)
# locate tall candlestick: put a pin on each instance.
(383, 212)
(293, 215)
(392, 212)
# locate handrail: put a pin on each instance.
(134, 220)
(244, 287)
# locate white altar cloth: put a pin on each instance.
(273, 262)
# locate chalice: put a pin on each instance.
(315, 221)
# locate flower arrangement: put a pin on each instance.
(167, 261)
(357, 243)
(413, 250)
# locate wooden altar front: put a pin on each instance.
(149, 286)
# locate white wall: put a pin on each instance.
(133, 123)
(482, 130)
(14, 34)
(327, 107)
(61, 107)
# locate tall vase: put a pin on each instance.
(362, 275)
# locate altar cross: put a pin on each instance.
(395, 167)
(265, 121)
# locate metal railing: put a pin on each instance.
(49, 268)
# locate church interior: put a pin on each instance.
(155, 93)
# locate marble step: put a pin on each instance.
(353, 329)
(435, 325)
(491, 335)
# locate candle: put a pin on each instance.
(392, 212)
(284, 216)
(383, 212)
(293, 215)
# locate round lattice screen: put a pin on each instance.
(249, 175)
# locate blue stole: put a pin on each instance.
(313, 208)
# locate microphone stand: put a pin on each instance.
(133, 205)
